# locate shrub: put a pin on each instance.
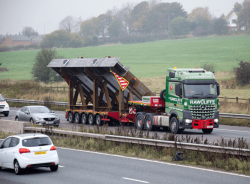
(208, 67)
(242, 73)
(201, 32)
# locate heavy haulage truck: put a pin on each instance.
(109, 92)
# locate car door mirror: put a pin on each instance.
(26, 112)
(218, 89)
(178, 89)
(52, 112)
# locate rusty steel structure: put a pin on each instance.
(99, 90)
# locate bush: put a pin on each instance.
(208, 67)
(179, 26)
(201, 32)
(242, 73)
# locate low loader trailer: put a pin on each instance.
(109, 93)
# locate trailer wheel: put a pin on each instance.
(98, 120)
(77, 118)
(71, 117)
(207, 131)
(163, 94)
(139, 120)
(91, 119)
(84, 118)
(174, 125)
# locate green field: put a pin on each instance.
(146, 59)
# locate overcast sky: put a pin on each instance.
(45, 15)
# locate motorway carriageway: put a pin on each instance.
(233, 132)
(78, 166)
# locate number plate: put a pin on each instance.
(209, 126)
(40, 153)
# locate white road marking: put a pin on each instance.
(61, 166)
(134, 180)
(234, 130)
(154, 161)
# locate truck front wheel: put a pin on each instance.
(174, 125)
(207, 131)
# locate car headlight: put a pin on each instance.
(57, 117)
(7, 105)
(37, 118)
(216, 120)
(188, 121)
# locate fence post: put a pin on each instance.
(237, 99)
(225, 99)
(50, 88)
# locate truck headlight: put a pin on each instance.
(188, 121)
(216, 120)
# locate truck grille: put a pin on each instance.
(1, 106)
(197, 111)
(49, 119)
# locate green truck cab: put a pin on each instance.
(191, 100)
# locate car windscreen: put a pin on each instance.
(33, 142)
(2, 98)
(39, 110)
(200, 90)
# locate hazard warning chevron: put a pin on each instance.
(122, 82)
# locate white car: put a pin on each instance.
(4, 106)
(23, 151)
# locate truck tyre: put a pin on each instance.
(163, 94)
(77, 118)
(207, 131)
(71, 117)
(84, 118)
(91, 119)
(139, 120)
(98, 120)
(6, 114)
(174, 125)
(149, 122)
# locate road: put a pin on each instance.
(90, 167)
(225, 131)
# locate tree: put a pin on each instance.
(40, 72)
(179, 26)
(244, 15)
(201, 17)
(29, 31)
(68, 24)
(220, 26)
(115, 29)
(237, 7)
(138, 15)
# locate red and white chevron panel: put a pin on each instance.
(122, 82)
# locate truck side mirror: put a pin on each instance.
(218, 89)
(171, 74)
(178, 89)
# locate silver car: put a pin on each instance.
(38, 115)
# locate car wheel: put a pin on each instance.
(6, 114)
(71, 117)
(139, 121)
(16, 118)
(54, 168)
(17, 168)
(77, 118)
(32, 121)
(98, 120)
(91, 119)
(207, 131)
(84, 118)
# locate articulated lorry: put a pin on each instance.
(109, 92)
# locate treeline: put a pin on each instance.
(145, 21)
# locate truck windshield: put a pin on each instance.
(200, 91)
(2, 98)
